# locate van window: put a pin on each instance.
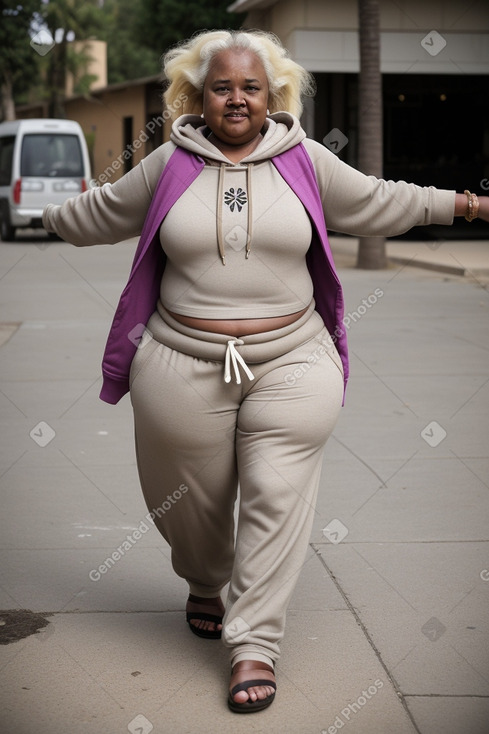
(6, 156)
(51, 154)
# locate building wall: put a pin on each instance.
(321, 35)
(102, 120)
(284, 16)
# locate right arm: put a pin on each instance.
(113, 212)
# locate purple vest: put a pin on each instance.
(138, 300)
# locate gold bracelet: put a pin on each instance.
(475, 206)
(472, 206)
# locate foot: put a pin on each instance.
(201, 605)
(248, 670)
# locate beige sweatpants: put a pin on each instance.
(198, 436)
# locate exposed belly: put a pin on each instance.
(239, 327)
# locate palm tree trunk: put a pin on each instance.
(371, 250)
(8, 105)
(57, 79)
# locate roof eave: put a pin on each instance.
(242, 6)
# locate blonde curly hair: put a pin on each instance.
(186, 66)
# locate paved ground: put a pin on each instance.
(387, 632)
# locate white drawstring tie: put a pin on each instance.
(232, 355)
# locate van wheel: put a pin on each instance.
(7, 232)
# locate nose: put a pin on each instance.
(235, 97)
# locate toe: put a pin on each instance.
(200, 605)
(260, 692)
(203, 624)
(255, 693)
(247, 670)
(240, 697)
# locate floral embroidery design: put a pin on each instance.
(235, 199)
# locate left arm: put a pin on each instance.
(361, 205)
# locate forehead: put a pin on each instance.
(236, 62)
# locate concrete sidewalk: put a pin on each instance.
(454, 257)
(387, 632)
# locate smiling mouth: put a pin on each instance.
(235, 114)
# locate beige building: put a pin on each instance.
(122, 123)
(322, 35)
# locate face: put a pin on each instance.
(235, 97)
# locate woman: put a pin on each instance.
(234, 281)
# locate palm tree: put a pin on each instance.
(371, 250)
(17, 62)
(66, 19)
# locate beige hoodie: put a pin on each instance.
(353, 203)
(244, 216)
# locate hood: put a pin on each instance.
(281, 132)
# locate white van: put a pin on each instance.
(41, 162)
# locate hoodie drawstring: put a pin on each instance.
(220, 196)
(234, 357)
(220, 199)
(250, 219)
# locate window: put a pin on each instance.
(51, 155)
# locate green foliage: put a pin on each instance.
(84, 83)
(17, 57)
(127, 58)
(138, 32)
(162, 23)
(71, 16)
(67, 20)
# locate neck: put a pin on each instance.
(235, 152)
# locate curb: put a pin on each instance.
(439, 267)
